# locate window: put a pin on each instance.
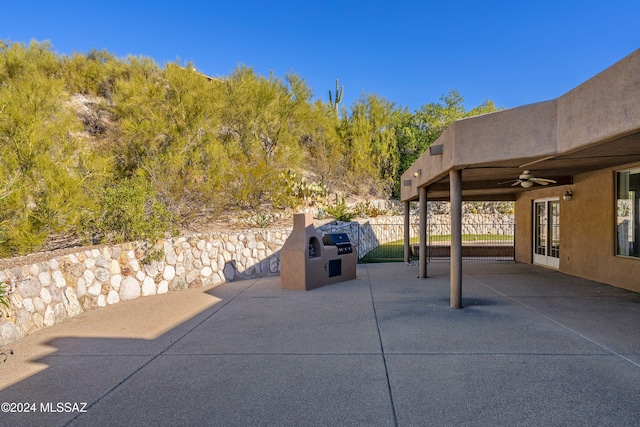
(627, 211)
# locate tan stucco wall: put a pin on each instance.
(603, 107)
(493, 137)
(587, 231)
(430, 167)
(488, 138)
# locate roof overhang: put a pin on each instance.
(594, 126)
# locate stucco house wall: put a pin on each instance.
(603, 107)
(500, 140)
(587, 230)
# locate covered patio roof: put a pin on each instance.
(594, 126)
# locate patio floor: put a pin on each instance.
(531, 347)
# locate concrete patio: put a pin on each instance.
(531, 347)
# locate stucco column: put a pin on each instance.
(423, 232)
(407, 233)
(455, 182)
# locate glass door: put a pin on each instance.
(546, 232)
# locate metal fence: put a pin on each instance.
(385, 242)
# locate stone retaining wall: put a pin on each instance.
(370, 233)
(501, 224)
(44, 293)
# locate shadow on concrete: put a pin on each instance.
(531, 347)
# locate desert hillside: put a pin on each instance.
(98, 149)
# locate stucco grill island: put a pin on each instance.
(307, 262)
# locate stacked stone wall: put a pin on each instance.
(44, 293)
(370, 233)
(41, 294)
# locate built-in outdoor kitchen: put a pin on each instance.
(308, 260)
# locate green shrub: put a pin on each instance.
(43, 167)
(322, 213)
(132, 211)
(367, 210)
(341, 211)
(506, 208)
(260, 220)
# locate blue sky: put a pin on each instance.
(410, 52)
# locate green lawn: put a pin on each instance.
(394, 251)
(388, 252)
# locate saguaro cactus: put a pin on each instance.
(338, 97)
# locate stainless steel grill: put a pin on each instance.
(340, 241)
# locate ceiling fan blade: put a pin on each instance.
(507, 182)
(543, 180)
(518, 182)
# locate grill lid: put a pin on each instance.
(335, 239)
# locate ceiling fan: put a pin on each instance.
(526, 180)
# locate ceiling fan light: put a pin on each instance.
(526, 184)
(525, 175)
